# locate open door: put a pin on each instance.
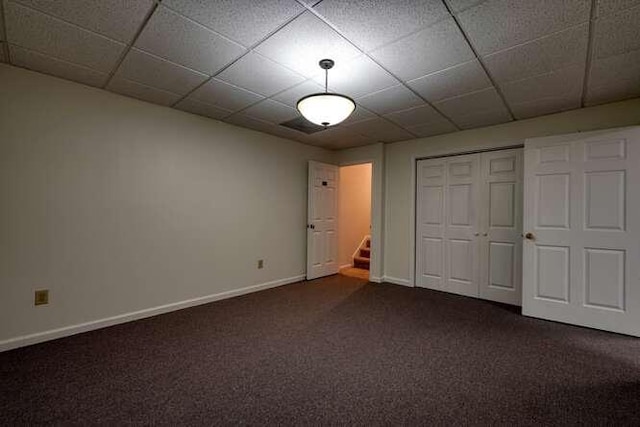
(581, 254)
(322, 220)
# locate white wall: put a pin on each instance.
(400, 159)
(373, 154)
(116, 205)
(354, 209)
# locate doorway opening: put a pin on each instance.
(354, 219)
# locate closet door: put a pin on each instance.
(501, 226)
(462, 197)
(430, 223)
(447, 224)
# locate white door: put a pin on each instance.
(501, 226)
(582, 216)
(447, 255)
(322, 220)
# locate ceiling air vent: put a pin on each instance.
(302, 125)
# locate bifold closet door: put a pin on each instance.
(469, 224)
(447, 223)
(501, 226)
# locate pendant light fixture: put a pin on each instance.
(326, 109)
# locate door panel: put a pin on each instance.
(581, 263)
(500, 240)
(447, 196)
(322, 220)
(430, 223)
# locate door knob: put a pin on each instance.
(485, 234)
(476, 234)
(529, 236)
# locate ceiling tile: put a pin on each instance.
(224, 95)
(271, 111)
(415, 116)
(117, 19)
(395, 98)
(46, 64)
(433, 128)
(607, 71)
(481, 108)
(186, 42)
(616, 91)
(202, 109)
(370, 24)
(152, 71)
(540, 107)
(245, 21)
(242, 120)
(291, 134)
(43, 33)
(340, 136)
(432, 49)
(146, 93)
(260, 75)
(454, 81)
(293, 95)
(358, 115)
(614, 78)
(302, 43)
(563, 83)
(358, 77)
(380, 130)
(460, 5)
(616, 34)
(498, 24)
(540, 56)
(546, 93)
(606, 7)
(481, 118)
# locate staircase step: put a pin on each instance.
(365, 252)
(368, 243)
(361, 262)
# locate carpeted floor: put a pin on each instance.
(332, 351)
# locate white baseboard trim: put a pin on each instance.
(345, 266)
(66, 331)
(375, 279)
(397, 281)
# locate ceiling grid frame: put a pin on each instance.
(587, 65)
(5, 39)
(250, 49)
(479, 59)
(334, 28)
(126, 51)
(584, 64)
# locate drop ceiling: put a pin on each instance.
(415, 68)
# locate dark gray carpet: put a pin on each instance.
(331, 351)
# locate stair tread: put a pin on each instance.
(361, 259)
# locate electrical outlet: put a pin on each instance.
(41, 297)
(260, 263)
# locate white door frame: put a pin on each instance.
(375, 268)
(507, 145)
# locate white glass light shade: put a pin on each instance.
(326, 109)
